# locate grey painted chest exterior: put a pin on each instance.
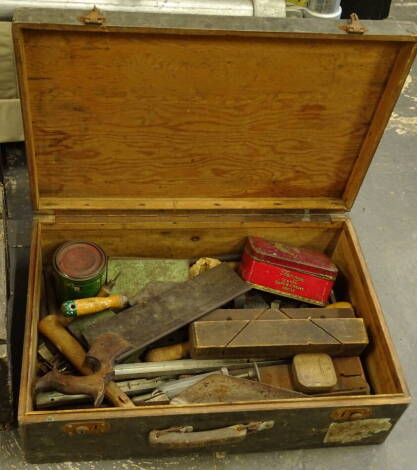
(5, 365)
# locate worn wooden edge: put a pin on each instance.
(382, 114)
(207, 408)
(67, 203)
(29, 356)
(357, 253)
(20, 56)
(48, 18)
(134, 221)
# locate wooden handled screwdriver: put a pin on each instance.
(168, 353)
(106, 288)
(76, 308)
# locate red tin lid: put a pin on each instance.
(290, 256)
(79, 260)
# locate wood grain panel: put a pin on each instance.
(183, 242)
(163, 116)
(349, 259)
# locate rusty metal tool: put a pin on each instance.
(52, 328)
(178, 306)
(53, 399)
(103, 352)
(99, 359)
(92, 385)
(107, 288)
(227, 389)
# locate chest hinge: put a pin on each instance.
(354, 26)
(95, 16)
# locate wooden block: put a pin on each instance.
(276, 313)
(277, 338)
(313, 373)
(318, 312)
(244, 314)
(350, 375)
(351, 378)
(141, 325)
(277, 376)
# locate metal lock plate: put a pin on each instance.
(89, 427)
(350, 414)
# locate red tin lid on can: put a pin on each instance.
(281, 254)
(79, 260)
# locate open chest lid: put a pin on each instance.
(152, 111)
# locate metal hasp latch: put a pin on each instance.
(354, 26)
(89, 427)
(94, 17)
(350, 414)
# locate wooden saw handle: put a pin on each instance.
(168, 353)
(76, 308)
(52, 328)
(340, 305)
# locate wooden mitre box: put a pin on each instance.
(175, 136)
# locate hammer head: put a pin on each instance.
(104, 351)
(92, 385)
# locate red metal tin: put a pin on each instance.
(289, 271)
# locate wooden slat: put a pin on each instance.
(172, 241)
(276, 314)
(127, 203)
(30, 342)
(382, 113)
(20, 55)
(389, 378)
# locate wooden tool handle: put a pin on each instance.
(339, 305)
(52, 328)
(104, 291)
(168, 353)
(76, 308)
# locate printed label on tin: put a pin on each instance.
(285, 282)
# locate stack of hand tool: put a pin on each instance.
(130, 344)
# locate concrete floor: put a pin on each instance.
(386, 219)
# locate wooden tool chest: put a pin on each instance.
(177, 136)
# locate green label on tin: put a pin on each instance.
(68, 289)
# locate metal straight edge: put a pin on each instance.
(185, 366)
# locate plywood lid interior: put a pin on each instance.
(148, 119)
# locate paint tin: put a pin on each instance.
(289, 271)
(79, 270)
(324, 7)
